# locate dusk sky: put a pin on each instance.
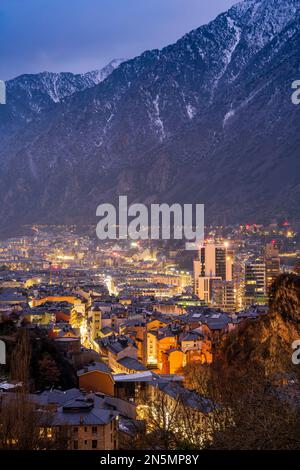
(82, 35)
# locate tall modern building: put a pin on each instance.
(204, 288)
(214, 261)
(239, 282)
(223, 295)
(272, 262)
(255, 283)
(214, 264)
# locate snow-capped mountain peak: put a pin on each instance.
(94, 77)
(33, 93)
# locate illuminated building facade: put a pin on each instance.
(255, 283)
(215, 263)
(272, 262)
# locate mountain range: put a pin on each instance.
(208, 119)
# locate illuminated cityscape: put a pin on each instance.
(149, 232)
(131, 318)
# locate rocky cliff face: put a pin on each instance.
(208, 119)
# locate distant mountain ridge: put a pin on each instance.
(208, 119)
(38, 91)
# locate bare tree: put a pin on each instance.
(174, 423)
(22, 425)
(254, 413)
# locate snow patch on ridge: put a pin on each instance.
(158, 123)
(227, 116)
(228, 52)
(191, 111)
